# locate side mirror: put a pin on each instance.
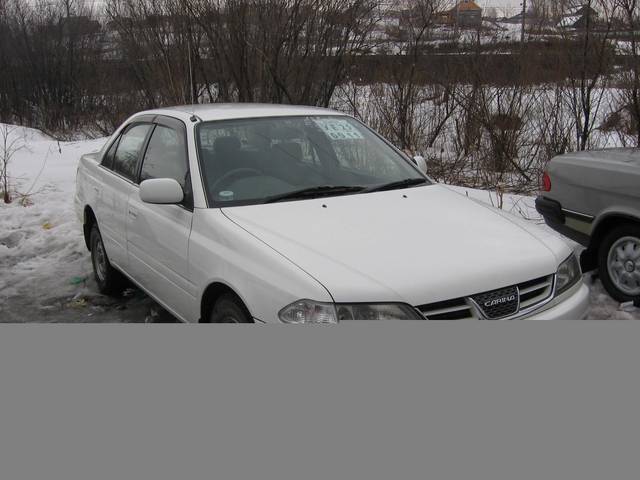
(420, 162)
(162, 191)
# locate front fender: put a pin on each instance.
(220, 251)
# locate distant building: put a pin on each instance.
(387, 24)
(530, 18)
(465, 14)
(578, 17)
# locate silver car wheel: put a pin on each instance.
(623, 264)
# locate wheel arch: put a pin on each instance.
(603, 226)
(212, 293)
(89, 221)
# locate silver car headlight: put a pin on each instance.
(310, 312)
(568, 274)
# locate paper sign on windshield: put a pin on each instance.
(337, 129)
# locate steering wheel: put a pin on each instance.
(235, 175)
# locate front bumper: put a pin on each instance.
(571, 306)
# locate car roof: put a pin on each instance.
(226, 111)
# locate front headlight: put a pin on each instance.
(310, 312)
(391, 311)
(568, 274)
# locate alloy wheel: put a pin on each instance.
(623, 265)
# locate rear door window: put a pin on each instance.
(125, 161)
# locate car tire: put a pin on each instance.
(619, 262)
(110, 281)
(229, 309)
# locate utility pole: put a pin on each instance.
(524, 21)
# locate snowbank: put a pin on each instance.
(45, 271)
(41, 244)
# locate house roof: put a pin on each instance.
(579, 10)
(576, 14)
(466, 5)
(463, 6)
(569, 21)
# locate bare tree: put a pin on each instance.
(400, 102)
(283, 51)
(50, 50)
(10, 143)
(160, 46)
(543, 11)
(589, 54)
(5, 77)
(629, 94)
(553, 123)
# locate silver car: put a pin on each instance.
(594, 199)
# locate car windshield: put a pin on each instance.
(262, 160)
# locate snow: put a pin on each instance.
(45, 269)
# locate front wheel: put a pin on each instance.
(109, 280)
(229, 309)
(619, 262)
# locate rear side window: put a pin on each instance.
(107, 160)
(125, 161)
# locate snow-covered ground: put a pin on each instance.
(45, 270)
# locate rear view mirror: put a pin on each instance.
(421, 163)
(162, 191)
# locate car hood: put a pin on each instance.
(417, 246)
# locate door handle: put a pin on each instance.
(133, 213)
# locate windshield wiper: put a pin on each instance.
(315, 192)
(409, 182)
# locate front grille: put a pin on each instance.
(457, 309)
(498, 303)
(535, 291)
(532, 293)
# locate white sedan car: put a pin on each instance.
(260, 213)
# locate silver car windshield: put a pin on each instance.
(252, 161)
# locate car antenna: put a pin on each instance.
(194, 118)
